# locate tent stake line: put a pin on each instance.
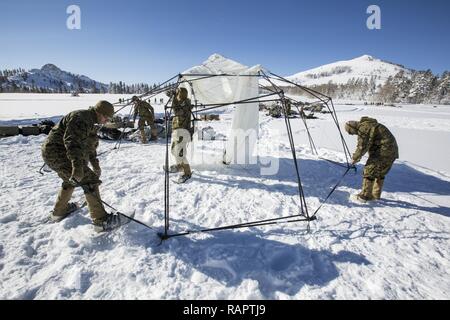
(268, 222)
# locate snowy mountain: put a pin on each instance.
(341, 72)
(370, 79)
(364, 78)
(52, 79)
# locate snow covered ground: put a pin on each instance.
(29, 107)
(398, 248)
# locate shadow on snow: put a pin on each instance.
(319, 176)
(232, 257)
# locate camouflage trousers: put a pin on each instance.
(146, 121)
(377, 168)
(151, 123)
(55, 157)
(180, 139)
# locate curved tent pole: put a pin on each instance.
(245, 101)
(219, 75)
(129, 102)
(312, 92)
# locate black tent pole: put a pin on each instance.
(303, 205)
(166, 170)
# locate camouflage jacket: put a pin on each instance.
(275, 111)
(182, 114)
(375, 138)
(92, 144)
(288, 107)
(144, 110)
(76, 134)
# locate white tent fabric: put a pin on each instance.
(227, 89)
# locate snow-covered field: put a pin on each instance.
(26, 107)
(398, 248)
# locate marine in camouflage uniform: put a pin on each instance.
(69, 148)
(181, 132)
(92, 144)
(288, 107)
(375, 138)
(275, 111)
(146, 117)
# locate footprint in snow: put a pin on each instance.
(282, 261)
(8, 218)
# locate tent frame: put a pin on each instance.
(273, 90)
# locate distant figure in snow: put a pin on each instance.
(69, 148)
(375, 138)
(288, 107)
(181, 133)
(146, 116)
(275, 111)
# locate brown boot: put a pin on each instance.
(174, 168)
(61, 209)
(143, 137)
(187, 174)
(154, 136)
(187, 170)
(366, 193)
(377, 189)
(96, 209)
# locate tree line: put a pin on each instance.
(21, 83)
(414, 87)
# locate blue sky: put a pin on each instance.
(150, 41)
